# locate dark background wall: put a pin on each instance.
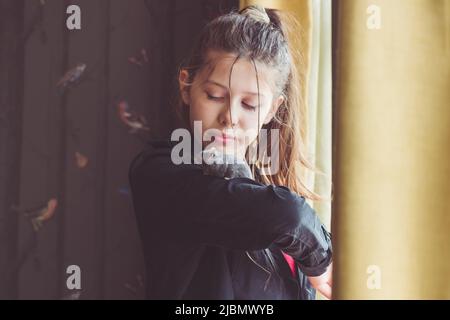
(43, 127)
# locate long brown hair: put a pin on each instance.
(263, 35)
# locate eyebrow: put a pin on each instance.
(225, 87)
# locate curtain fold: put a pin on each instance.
(320, 106)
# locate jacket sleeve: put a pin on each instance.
(239, 213)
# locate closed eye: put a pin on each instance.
(210, 97)
(247, 106)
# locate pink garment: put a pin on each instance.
(291, 263)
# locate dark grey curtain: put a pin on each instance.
(66, 144)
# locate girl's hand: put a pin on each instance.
(324, 282)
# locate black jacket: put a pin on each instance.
(206, 237)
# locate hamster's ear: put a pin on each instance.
(183, 78)
(273, 110)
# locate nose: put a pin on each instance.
(228, 116)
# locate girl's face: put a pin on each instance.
(232, 112)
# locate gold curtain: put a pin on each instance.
(391, 214)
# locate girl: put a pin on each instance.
(207, 236)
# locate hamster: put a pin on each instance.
(227, 166)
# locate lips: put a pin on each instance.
(225, 138)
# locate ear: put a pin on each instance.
(184, 88)
(273, 110)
